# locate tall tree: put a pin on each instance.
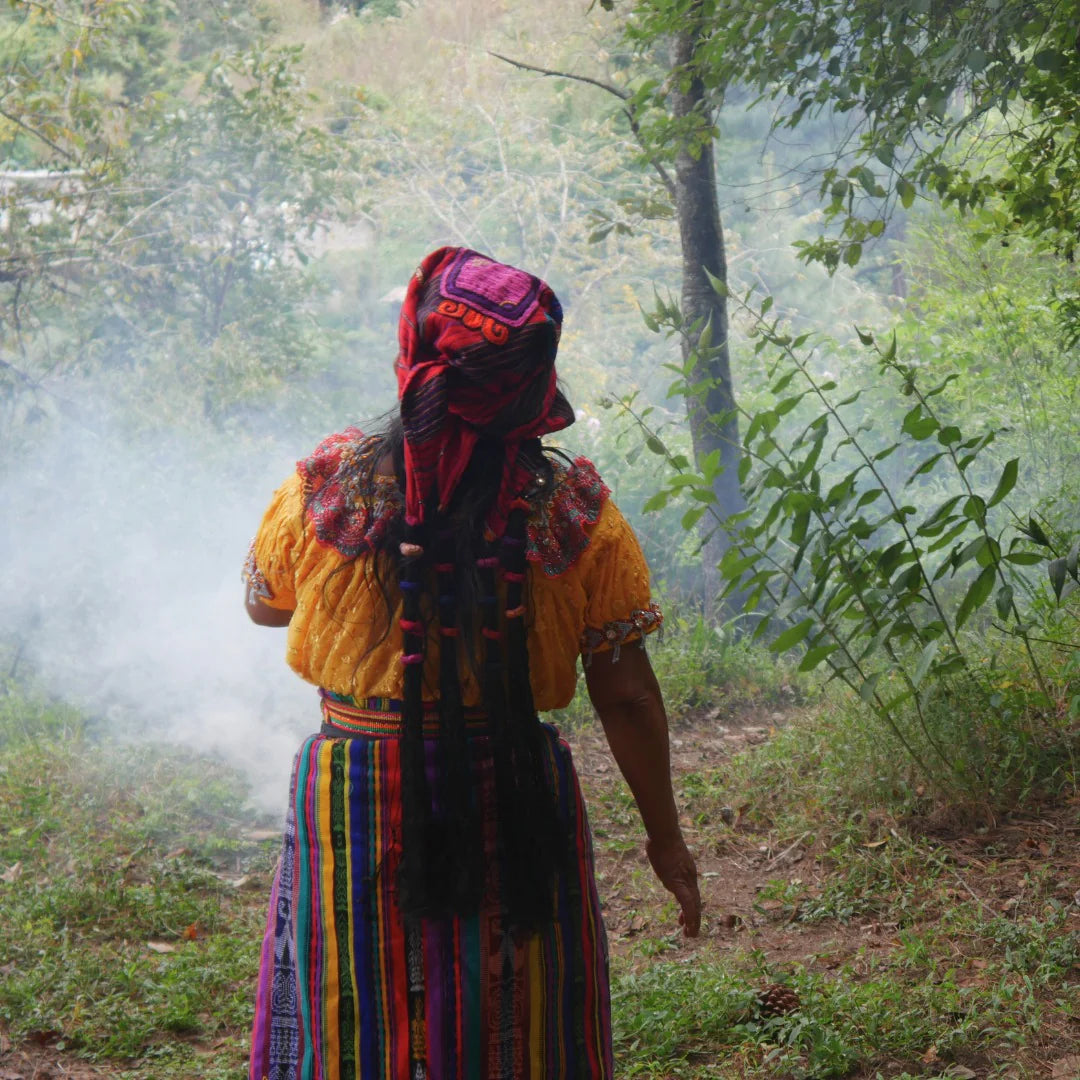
(910, 78)
(156, 233)
(673, 119)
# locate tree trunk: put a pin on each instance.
(702, 238)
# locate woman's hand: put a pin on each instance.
(627, 699)
(674, 866)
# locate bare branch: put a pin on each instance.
(37, 134)
(611, 88)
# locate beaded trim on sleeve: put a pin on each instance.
(252, 576)
(620, 631)
(350, 509)
(559, 530)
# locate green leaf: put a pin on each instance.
(792, 636)
(692, 517)
(976, 595)
(948, 537)
(919, 425)
(1004, 600)
(926, 658)
(906, 191)
(719, 286)
(852, 254)
(869, 687)
(968, 552)
(1024, 558)
(1006, 482)
(656, 446)
(865, 336)
(926, 466)
(975, 509)
(656, 502)
(1057, 572)
(815, 655)
(1049, 60)
(1035, 531)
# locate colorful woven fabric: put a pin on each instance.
(349, 991)
(476, 336)
(351, 508)
(586, 571)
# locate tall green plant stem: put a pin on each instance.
(898, 515)
(991, 544)
(881, 707)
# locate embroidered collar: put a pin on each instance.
(351, 509)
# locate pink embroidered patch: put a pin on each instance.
(501, 291)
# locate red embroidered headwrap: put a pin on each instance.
(477, 339)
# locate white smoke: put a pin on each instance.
(119, 577)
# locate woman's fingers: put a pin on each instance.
(690, 901)
(674, 866)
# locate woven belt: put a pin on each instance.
(381, 717)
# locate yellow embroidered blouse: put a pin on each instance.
(588, 584)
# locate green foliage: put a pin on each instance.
(161, 245)
(877, 579)
(125, 932)
(908, 78)
(982, 310)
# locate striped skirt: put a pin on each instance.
(348, 990)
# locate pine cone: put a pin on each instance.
(777, 1000)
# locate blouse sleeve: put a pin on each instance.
(618, 605)
(275, 550)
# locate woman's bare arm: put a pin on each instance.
(627, 699)
(263, 614)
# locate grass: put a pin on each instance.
(131, 925)
(133, 905)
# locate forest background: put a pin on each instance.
(208, 215)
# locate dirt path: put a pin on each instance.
(736, 861)
(743, 866)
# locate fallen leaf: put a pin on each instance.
(930, 1057)
(192, 932)
(876, 843)
(1066, 1068)
(961, 1072)
(12, 874)
(176, 853)
(160, 947)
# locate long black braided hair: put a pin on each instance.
(474, 589)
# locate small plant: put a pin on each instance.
(877, 580)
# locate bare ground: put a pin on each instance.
(736, 859)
